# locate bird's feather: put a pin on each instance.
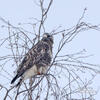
(38, 56)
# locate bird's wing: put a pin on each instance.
(34, 56)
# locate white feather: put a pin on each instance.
(34, 71)
(31, 72)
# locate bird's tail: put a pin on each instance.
(14, 79)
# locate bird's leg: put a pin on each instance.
(38, 73)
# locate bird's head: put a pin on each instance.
(47, 37)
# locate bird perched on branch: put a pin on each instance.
(37, 60)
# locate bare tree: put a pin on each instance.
(63, 80)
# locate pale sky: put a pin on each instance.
(63, 13)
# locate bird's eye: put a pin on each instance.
(48, 36)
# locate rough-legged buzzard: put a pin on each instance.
(37, 60)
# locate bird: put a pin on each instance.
(36, 61)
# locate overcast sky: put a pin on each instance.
(66, 14)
